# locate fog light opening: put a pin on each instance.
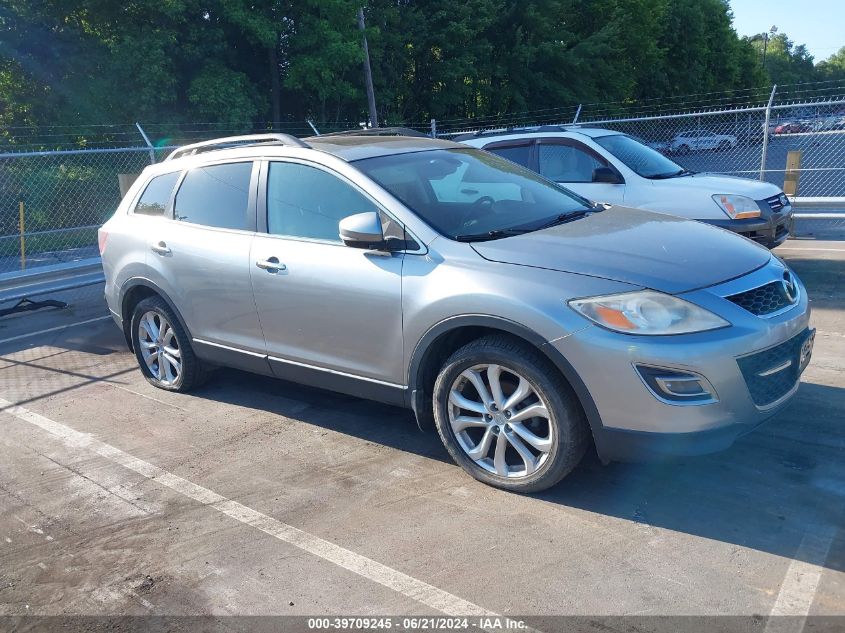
(677, 387)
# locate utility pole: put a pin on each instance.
(368, 73)
(766, 37)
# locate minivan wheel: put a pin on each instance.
(507, 416)
(162, 347)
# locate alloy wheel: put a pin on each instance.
(500, 420)
(159, 348)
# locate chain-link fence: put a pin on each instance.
(52, 202)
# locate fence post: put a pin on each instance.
(793, 172)
(765, 151)
(23, 236)
(147, 141)
(434, 128)
(577, 114)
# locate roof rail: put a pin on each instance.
(231, 141)
(378, 131)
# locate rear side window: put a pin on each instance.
(519, 154)
(215, 195)
(157, 194)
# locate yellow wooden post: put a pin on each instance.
(23, 237)
(793, 171)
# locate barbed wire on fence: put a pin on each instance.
(52, 200)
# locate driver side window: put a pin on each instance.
(307, 202)
(565, 163)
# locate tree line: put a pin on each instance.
(238, 62)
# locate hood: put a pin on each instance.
(654, 250)
(717, 183)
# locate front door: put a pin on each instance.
(331, 315)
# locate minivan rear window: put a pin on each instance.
(157, 194)
(215, 195)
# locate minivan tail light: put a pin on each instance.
(102, 238)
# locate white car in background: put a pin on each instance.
(700, 141)
(607, 166)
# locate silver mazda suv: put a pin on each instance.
(522, 321)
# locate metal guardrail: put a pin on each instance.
(17, 285)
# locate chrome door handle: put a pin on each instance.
(271, 264)
(160, 248)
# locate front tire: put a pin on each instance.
(507, 416)
(163, 349)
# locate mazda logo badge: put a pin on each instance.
(789, 287)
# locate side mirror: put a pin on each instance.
(362, 230)
(605, 174)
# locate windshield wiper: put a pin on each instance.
(490, 235)
(674, 174)
(563, 218)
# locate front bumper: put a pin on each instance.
(635, 424)
(769, 231)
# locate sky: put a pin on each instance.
(820, 24)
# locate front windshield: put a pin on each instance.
(647, 162)
(469, 193)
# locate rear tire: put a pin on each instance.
(498, 390)
(163, 349)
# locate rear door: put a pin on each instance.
(331, 315)
(201, 256)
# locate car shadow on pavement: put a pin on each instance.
(774, 486)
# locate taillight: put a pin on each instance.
(102, 238)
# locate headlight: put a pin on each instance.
(647, 312)
(737, 207)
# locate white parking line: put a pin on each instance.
(53, 329)
(404, 584)
(799, 586)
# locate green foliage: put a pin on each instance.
(240, 62)
(223, 95)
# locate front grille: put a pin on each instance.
(764, 300)
(778, 202)
(772, 385)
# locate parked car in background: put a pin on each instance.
(793, 127)
(519, 318)
(699, 141)
(607, 166)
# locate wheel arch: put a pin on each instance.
(135, 290)
(442, 339)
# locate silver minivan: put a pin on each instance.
(524, 324)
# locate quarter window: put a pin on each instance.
(565, 163)
(215, 195)
(157, 194)
(307, 202)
